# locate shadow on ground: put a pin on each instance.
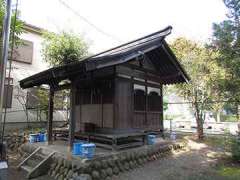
(198, 162)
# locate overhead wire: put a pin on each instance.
(89, 22)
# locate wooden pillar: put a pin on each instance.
(102, 108)
(50, 115)
(115, 103)
(161, 115)
(146, 124)
(132, 103)
(72, 122)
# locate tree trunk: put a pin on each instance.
(218, 116)
(199, 121)
(238, 112)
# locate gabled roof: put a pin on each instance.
(153, 46)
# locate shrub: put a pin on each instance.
(235, 148)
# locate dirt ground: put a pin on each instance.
(198, 162)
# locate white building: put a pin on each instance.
(27, 60)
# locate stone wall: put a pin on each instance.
(106, 167)
(21, 126)
(14, 141)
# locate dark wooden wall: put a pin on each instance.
(125, 115)
(120, 112)
(94, 104)
(123, 103)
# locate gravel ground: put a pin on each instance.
(194, 164)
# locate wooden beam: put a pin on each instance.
(128, 69)
(139, 82)
(50, 114)
(72, 122)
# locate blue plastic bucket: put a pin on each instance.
(37, 138)
(151, 139)
(88, 150)
(77, 148)
(42, 137)
(32, 138)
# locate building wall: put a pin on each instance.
(126, 115)
(100, 115)
(22, 70)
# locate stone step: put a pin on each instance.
(35, 161)
(32, 163)
(39, 156)
(45, 151)
(27, 168)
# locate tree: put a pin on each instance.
(200, 64)
(226, 40)
(18, 29)
(63, 48)
(60, 49)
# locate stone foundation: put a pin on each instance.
(105, 167)
(14, 141)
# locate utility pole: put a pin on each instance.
(4, 58)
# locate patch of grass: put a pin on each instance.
(213, 141)
(223, 142)
(229, 118)
(229, 172)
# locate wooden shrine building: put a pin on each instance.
(117, 89)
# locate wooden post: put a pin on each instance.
(132, 103)
(161, 114)
(102, 108)
(146, 105)
(72, 117)
(50, 114)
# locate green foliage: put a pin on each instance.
(63, 48)
(165, 104)
(228, 118)
(223, 142)
(200, 64)
(235, 148)
(226, 40)
(60, 99)
(227, 142)
(18, 25)
(42, 95)
(228, 172)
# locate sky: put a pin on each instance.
(108, 23)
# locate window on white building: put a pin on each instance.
(24, 52)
